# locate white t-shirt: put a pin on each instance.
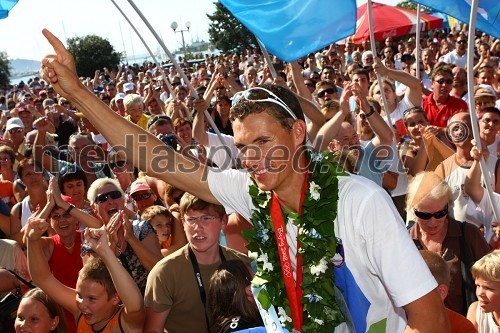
(402, 106)
(455, 59)
(218, 154)
(380, 261)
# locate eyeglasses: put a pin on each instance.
(461, 41)
(156, 118)
(258, 94)
(139, 197)
(205, 219)
(117, 164)
(427, 216)
(60, 216)
(329, 91)
(101, 198)
(447, 81)
(15, 130)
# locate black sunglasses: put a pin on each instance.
(447, 81)
(144, 196)
(105, 196)
(427, 216)
(117, 164)
(461, 41)
(322, 93)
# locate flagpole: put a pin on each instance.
(417, 43)
(183, 75)
(374, 50)
(268, 59)
(169, 86)
(472, 111)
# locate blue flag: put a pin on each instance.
(291, 29)
(488, 13)
(6, 6)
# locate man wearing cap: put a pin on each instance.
(14, 130)
(143, 196)
(119, 104)
(484, 97)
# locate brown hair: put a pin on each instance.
(227, 295)
(96, 270)
(190, 202)
(153, 211)
(9, 151)
(53, 308)
(244, 108)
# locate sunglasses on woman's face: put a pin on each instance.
(105, 196)
(427, 216)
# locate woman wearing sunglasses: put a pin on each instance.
(133, 242)
(428, 201)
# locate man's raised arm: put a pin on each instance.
(143, 149)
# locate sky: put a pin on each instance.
(21, 35)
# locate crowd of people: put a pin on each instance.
(304, 207)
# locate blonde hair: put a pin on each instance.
(97, 184)
(427, 184)
(488, 267)
(131, 99)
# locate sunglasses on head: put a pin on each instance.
(427, 216)
(447, 81)
(329, 91)
(105, 196)
(139, 197)
(258, 94)
(156, 118)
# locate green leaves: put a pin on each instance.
(317, 246)
(92, 52)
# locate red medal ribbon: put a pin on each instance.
(293, 289)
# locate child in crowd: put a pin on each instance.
(441, 271)
(38, 313)
(166, 227)
(485, 313)
(107, 298)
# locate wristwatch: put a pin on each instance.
(366, 115)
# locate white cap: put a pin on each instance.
(129, 86)
(119, 96)
(14, 123)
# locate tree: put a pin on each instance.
(91, 53)
(4, 70)
(413, 6)
(227, 33)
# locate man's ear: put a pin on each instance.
(442, 289)
(224, 220)
(116, 299)
(300, 131)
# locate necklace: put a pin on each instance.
(69, 247)
(314, 299)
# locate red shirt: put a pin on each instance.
(439, 116)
